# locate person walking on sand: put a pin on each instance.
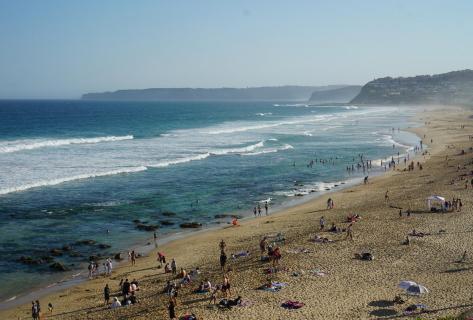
(266, 207)
(106, 294)
(386, 196)
(322, 223)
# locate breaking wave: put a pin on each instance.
(21, 145)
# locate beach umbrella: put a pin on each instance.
(406, 284)
(416, 290)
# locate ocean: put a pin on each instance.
(85, 170)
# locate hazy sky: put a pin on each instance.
(61, 49)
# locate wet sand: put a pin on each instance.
(351, 288)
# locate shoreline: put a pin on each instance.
(254, 221)
(145, 247)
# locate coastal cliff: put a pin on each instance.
(337, 95)
(282, 93)
(452, 88)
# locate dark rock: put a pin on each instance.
(104, 246)
(74, 254)
(221, 216)
(146, 227)
(190, 225)
(168, 214)
(166, 222)
(30, 261)
(118, 256)
(56, 252)
(86, 242)
(234, 216)
(94, 257)
(47, 259)
(137, 221)
(57, 266)
(66, 248)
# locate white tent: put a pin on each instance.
(435, 199)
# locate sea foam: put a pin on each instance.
(53, 182)
(21, 145)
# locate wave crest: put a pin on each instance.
(21, 145)
(53, 182)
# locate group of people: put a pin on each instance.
(257, 209)
(93, 268)
(128, 292)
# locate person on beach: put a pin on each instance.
(161, 258)
(171, 309)
(350, 232)
(155, 237)
(266, 207)
(226, 286)
(133, 257)
(115, 304)
(223, 260)
(34, 311)
(276, 256)
(106, 294)
(222, 245)
(50, 308)
(173, 267)
(262, 246)
(254, 211)
(259, 210)
(126, 288)
(167, 268)
(38, 310)
(322, 223)
(213, 296)
(386, 196)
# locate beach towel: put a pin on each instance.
(275, 286)
(300, 250)
(317, 272)
(289, 304)
(240, 254)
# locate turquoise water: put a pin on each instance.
(71, 170)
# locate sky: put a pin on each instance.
(62, 49)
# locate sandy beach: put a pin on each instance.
(326, 277)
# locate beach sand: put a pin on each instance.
(351, 288)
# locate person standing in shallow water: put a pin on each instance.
(259, 210)
(266, 207)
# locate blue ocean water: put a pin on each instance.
(71, 170)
